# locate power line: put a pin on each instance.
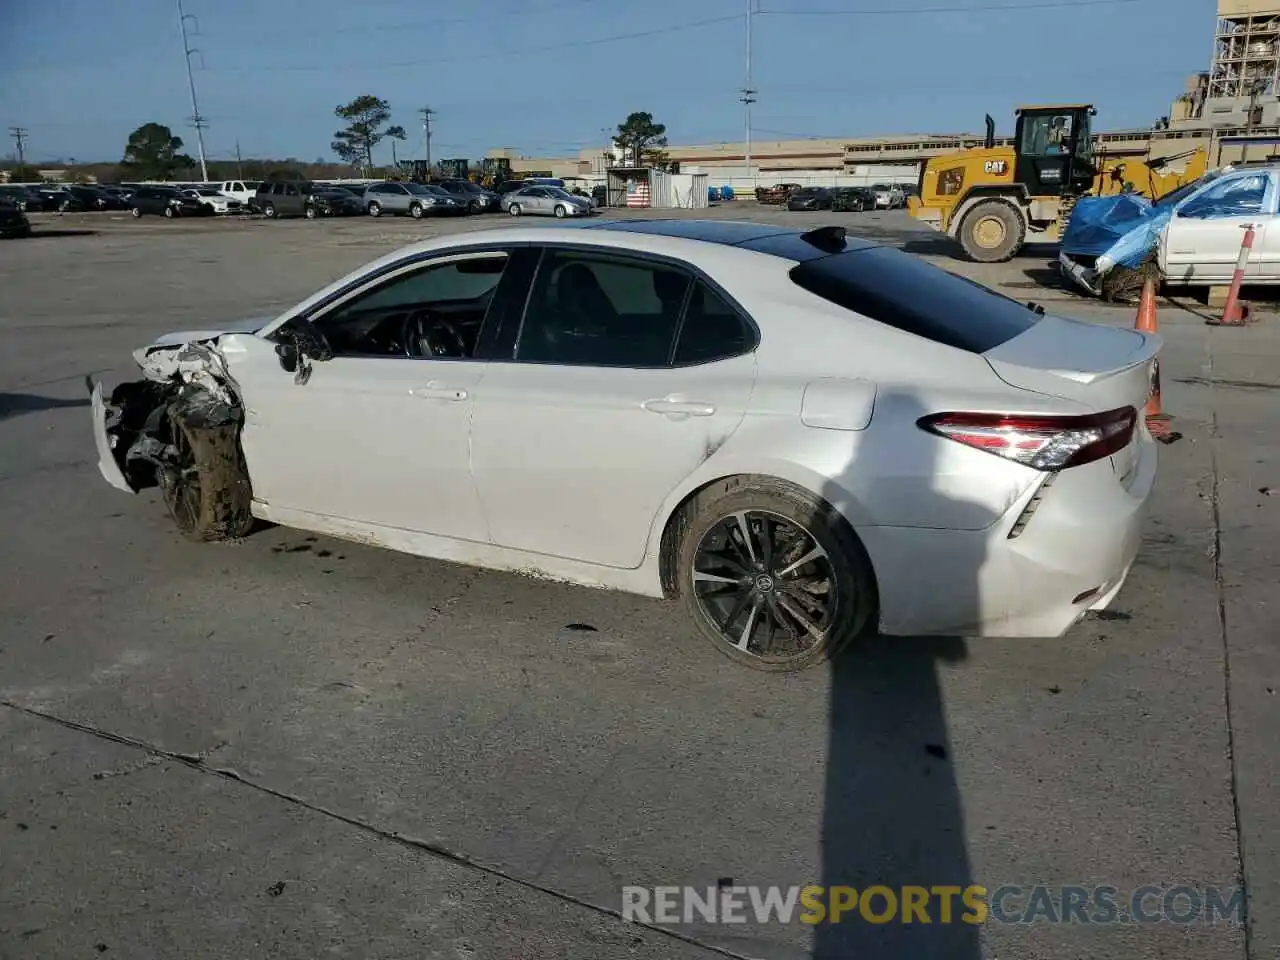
(499, 55)
(442, 22)
(19, 134)
(972, 8)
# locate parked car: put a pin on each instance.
(121, 193)
(166, 202)
(777, 194)
(810, 198)
(332, 201)
(241, 190)
(547, 202)
(286, 198)
(852, 199)
(889, 196)
(19, 196)
(414, 199)
(800, 436)
(477, 199)
(13, 220)
(215, 200)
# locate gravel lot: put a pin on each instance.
(297, 747)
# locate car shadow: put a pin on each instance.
(892, 813)
(38, 232)
(15, 404)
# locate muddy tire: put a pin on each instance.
(992, 232)
(206, 491)
(1124, 284)
(771, 575)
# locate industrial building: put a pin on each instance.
(1237, 98)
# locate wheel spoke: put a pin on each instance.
(800, 617)
(744, 639)
(817, 553)
(805, 599)
(721, 560)
(766, 544)
(704, 577)
(744, 597)
(744, 527)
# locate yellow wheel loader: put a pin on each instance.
(993, 200)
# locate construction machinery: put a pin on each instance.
(994, 199)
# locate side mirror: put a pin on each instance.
(288, 354)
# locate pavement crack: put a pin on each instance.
(1220, 590)
(438, 851)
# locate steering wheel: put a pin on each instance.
(438, 338)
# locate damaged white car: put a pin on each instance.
(800, 435)
(1190, 237)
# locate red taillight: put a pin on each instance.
(1045, 443)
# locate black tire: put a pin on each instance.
(514, 210)
(375, 209)
(207, 492)
(269, 211)
(415, 210)
(707, 519)
(474, 207)
(170, 212)
(992, 232)
(311, 212)
(136, 211)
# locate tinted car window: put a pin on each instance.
(601, 310)
(902, 291)
(712, 329)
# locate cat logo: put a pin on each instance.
(998, 167)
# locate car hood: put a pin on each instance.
(178, 338)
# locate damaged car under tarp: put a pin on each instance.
(178, 429)
(1191, 236)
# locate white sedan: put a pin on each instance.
(802, 436)
(215, 200)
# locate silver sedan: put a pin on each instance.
(546, 201)
(415, 199)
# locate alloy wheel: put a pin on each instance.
(765, 584)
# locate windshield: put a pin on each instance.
(1176, 196)
(208, 193)
(1084, 138)
(559, 194)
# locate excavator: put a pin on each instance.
(994, 199)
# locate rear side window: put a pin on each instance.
(712, 329)
(902, 291)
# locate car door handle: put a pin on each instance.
(675, 406)
(437, 391)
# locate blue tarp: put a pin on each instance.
(1122, 228)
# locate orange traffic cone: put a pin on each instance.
(1158, 422)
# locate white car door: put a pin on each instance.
(1202, 241)
(577, 442)
(379, 433)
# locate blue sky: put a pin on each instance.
(548, 76)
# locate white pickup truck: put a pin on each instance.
(242, 190)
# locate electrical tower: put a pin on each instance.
(19, 134)
(427, 114)
(197, 121)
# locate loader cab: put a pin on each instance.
(1055, 150)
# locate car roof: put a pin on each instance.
(785, 242)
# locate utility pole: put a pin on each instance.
(427, 114)
(239, 162)
(20, 135)
(748, 92)
(196, 120)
